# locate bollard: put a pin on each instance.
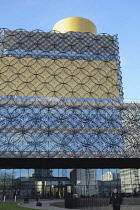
(4, 198)
(15, 198)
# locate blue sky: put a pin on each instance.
(120, 17)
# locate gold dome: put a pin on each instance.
(75, 24)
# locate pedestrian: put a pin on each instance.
(14, 194)
(51, 195)
(47, 195)
(18, 194)
(37, 198)
(116, 200)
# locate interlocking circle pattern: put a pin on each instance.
(61, 96)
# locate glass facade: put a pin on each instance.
(77, 183)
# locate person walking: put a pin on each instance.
(51, 195)
(37, 198)
(116, 200)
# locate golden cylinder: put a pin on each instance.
(75, 24)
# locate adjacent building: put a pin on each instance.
(109, 181)
(130, 181)
(84, 182)
(109, 176)
(43, 173)
(105, 188)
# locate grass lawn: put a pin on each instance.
(12, 206)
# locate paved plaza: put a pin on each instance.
(46, 204)
(59, 205)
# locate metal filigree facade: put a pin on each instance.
(61, 97)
